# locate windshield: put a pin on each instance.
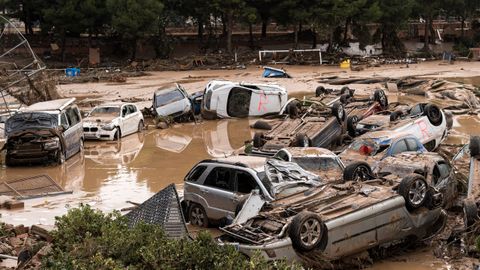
(317, 163)
(168, 97)
(22, 121)
(367, 147)
(105, 111)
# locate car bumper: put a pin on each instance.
(281, 249)
(31, 157)
(100, 134)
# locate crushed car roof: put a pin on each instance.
(255, 163)
(308, 151)
(52, 105)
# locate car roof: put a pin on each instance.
(51, 105)
(386, 135)
(115, 104)
(308, 151)
(252, 162)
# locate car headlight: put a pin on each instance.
(52, 144)
(109, 126)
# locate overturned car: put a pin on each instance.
(225, 99)
(44, 132)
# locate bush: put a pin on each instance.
(88, 239)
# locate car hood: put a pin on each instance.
(99, 119)
(30, 121)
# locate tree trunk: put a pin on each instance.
(295, 36)
(433, 34)
(463, 27)
(426, 47)
(229, 30)
(64, 42)
(134, 49)
(314, 38)
(250, 32)
(264, 28)
(224, 25)
(200, 30)
(345, 33)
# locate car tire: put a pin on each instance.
(258, 140)
(8, 160)
(60, 158)
(394, 116)
(118, 134)
(470, 213)
(474, 146)
(301, 140)
(346, 90)
(414, 189)
(292, 109)
(352, 122)
(141, 126)
(306, 231)
(260, 124)
(338, 111)
(320, 91)
(434, 114)
(357, 171)
(197, 215)
(380, 97)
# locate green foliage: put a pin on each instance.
(89, 239)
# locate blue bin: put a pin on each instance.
(72, 72)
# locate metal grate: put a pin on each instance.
(163, 209)
(30, 187)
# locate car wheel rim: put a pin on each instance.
(361, 174)
(197, 216)
(417, 192)
(311, 231)
(305, 141)
(340, 112)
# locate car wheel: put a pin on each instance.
(292, 109)
(197, 216)
(306, 231)
(414, 189)
(258, 140)
(301, 140)
(474, 146)
(380, 97)
(346, 90)
(434, 114)
(118, 134)
(338, 111)
(320, 91)
(352, 122)
(470, 213)
(394, 116)
(345, 98)
(60, 157)
(260, 124)
(357, 171)
(141, 126)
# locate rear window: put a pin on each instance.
(168, 97)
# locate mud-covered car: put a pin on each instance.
(172, 102)
(44, 132)
(113, 121)
(338, 220)
(319, 161)
(308, 123)
(215, 188)
(225, 99)
(424, 120)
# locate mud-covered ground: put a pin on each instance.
(111, 173)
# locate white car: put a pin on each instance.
(425, 121)
(113, 121)
(225, 99)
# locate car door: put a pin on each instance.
(171, 103)
(76, 127)
(68, 135)
(127, 120)
(218, 192)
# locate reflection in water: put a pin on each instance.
(172, 141)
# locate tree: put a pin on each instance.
(359, 14)
(394, 14)
(134, 19)
(265, 10)
(294, 12)
(231, 10)
(27, 11)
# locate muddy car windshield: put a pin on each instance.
(103, 111)
(317, 163)
(165, 98)
(22, 121)
(367, 147)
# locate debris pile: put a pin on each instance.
(41, 88)
(100, 75)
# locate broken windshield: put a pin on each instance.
(367, 147)
(318, 163)
(27, 120)
(103, 111)
(164, 98)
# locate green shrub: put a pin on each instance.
(89, 239)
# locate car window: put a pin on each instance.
(132, 108)
(221, 178)
(282, 155)
(64, 121)
(124, 111)
(412, 144)
(318, 163)
(416, 110)
(444, 169)
(399, 147)
(168, 97)
(195, 174)
(73, 117)
(245, 182)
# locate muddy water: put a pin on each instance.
(108, 174)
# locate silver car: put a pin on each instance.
(172, 102)
(215, 189)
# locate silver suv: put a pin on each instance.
(214, 189)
